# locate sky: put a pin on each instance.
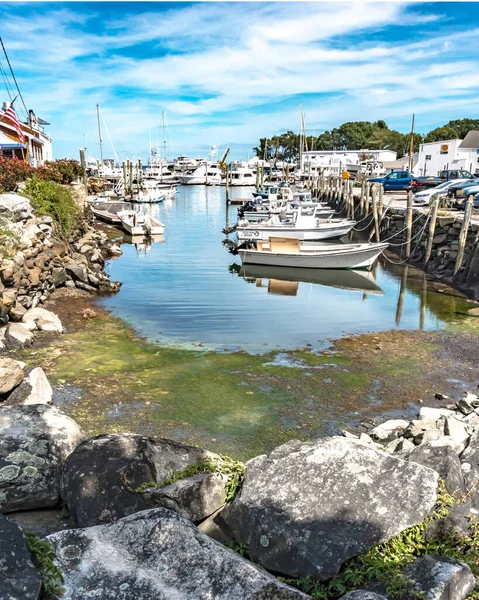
(228, 73)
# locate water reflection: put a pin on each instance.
(186, 290)
(357, 281)
(143, 244)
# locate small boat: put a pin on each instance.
(136, 223)
(150, 196)
(287, 252)
(107, 211)
(302, 226)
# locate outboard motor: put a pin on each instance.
(247, 206)
(243, 246)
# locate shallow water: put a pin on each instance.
(189, 290)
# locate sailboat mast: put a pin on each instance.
(164, 136)
(300, 136)
(411, 144)
(99, 132)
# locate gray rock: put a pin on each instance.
(433, 414)
(17, 312)
(308, 507)
(194, 498)
(34, 389)
(19, 579)
(441, 578)
(18, 335)
(464, 406)
(102, 473)
(456, 430)
(389, 430)
(35, 441)
(16, 206)
(470, 468)
(445, 462)
(43, 319)
(11, 375)
(156, 554)
(428, 435)
(77, 271)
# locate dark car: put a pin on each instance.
(454, 190)
(460, 203)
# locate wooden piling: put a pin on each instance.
(130, 179)
(463, 235)
(227, 181)
(125, 189)
(83, 166)
(432, 229)
(375, 213)
(408, 224)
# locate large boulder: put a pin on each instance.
(470, 468)
(102, 476)
(19, 580)
(34, 389)
(158, 554)
(34, 443)
(441, 578)
(18, 335)
(44, 320)
(15, 206)
(308, 507)
(11, 375)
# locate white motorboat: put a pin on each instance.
(205, 174)
(136, 223)
(241, 176)
(307, 227)
(287, 252)
(264, 213)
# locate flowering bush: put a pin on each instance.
(50, 198)
(12, 171)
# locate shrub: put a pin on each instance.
(65, 170)
(50, 198)
(12, 171)
(8, 240)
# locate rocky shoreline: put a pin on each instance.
(388, 512)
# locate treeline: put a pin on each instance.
(356, 135)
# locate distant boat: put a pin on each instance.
(345, 279)
(302, 226)
(136, 223)
(287, 252)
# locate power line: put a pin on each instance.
(14, 78)
(5, 81)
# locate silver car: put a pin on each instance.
(424, 196)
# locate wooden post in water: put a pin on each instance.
(408, 224)
(473, 270)
(227, 181)
(375, 213)
(83, 166)
(381, 201)
(463, 235)
(140, 174)
(368, 195)
(363, 193)
(130, 179)
(432, 229)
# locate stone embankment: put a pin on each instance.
(156, 519)
(36, 261)
(445, 246)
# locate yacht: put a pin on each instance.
(242, 175)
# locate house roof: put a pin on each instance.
(471, 140)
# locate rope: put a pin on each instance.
(415, 247)
(404, 229)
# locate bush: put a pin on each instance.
(50, 198)
(65, 170)
(12, 171)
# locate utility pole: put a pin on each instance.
(411, 145)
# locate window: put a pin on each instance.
(404, 174)
(393, 175)
(428, 157)
(7, 152)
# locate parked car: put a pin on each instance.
(424, 196)
(463, 194)
(455, 190)
(395, 181)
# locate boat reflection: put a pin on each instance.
(285, 280)
(143, 244)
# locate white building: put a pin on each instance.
(38, 145)
(336, 160)
(449, 154)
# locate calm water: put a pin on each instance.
(189, 289)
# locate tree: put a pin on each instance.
(441, 133)
(463, 126)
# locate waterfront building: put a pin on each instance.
(449, 154)
(36, 147)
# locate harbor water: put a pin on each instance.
(188, 290)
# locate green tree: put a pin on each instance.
(441, 133)
(352, 135)
(463, 126)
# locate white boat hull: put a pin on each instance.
(347, 256)
(254, 217)
(323, 231)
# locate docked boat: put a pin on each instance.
(345, 279)
(302, 226)
(205, 174)
(287, 252)
(242, 176)
(136, 223)
(262, 214)
(149, 196)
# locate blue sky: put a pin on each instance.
(228, 73)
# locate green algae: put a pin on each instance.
(237, 404)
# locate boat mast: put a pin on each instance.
(164, 136)
(300, 136)
(99, 133)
